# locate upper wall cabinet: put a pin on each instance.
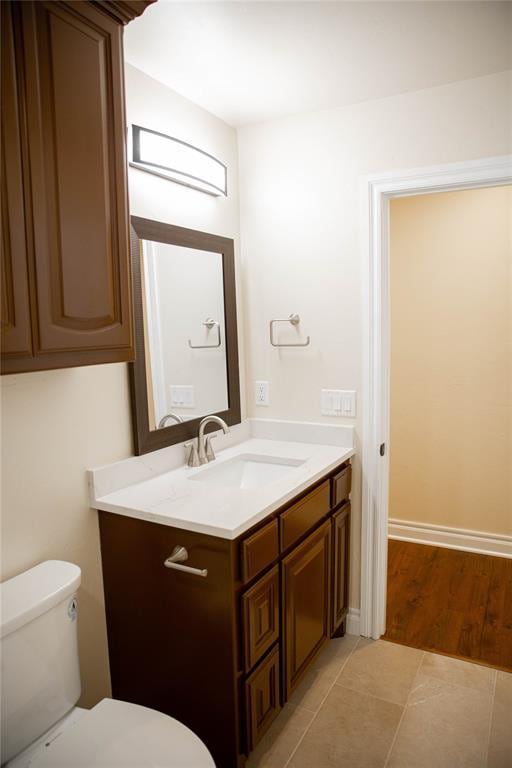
(66, 294)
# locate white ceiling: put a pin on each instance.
(253, 61)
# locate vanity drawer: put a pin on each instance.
(341, 484)
(260, 617)
(262, 698)
(259, 550)
(303, 515)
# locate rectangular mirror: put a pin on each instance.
(186, 335)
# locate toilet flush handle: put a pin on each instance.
(179, 555)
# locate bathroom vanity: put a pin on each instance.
(222, 642)
(222, 581)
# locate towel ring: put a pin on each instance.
(294, 319)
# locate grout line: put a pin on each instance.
(461, 685)
(491, 715)
(403, 713)
(370, 695)
(320, 706)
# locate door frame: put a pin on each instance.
(376, 192)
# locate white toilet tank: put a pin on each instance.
(39, 652)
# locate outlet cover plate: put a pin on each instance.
(262, 393)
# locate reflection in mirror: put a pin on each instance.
(186, 340)
(183, 297)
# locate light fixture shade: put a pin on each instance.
(178, 161)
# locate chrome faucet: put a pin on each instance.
(174, 416)
(205, 449)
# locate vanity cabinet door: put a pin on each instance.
(72, 100)
(261, 617)
(306, 588)
(341, 544)
(262, 698)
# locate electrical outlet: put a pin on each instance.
(261, 393)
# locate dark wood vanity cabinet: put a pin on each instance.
(224, 653)
(66, 293)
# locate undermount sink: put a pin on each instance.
(247, 471)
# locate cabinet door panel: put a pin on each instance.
(16, 330)
(341, 536)
(73, 58)
(262, 698)
(261, 617)
(306, 603)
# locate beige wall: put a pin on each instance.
(57, 424)
(451, 359)
(153, 105)
(299, 197)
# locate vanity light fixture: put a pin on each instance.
(178, 161)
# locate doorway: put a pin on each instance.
(378, 192)
(450, 437)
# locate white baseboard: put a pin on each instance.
(450, 538)
(353, 621)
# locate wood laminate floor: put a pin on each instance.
(451, 602)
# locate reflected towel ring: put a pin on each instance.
(208, 323)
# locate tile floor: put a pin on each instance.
(374, 704)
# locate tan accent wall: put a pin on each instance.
(451, 359)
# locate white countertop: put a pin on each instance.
(172, 498)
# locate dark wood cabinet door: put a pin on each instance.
(341, 544)
(16, 330)
(306, 582)
(262, 694)
(260, 617)
(75, 123)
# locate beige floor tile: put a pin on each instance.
(351, 729)
(284, 734)
(382, 669)
(318, 680)
(458, 672)
(444, 726)
(500, 744)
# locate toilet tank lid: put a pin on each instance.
(34, 592)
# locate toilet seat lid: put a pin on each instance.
(116, 734)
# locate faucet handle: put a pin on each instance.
(191, 456)
(210, 453)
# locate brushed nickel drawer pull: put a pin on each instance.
(179, 555)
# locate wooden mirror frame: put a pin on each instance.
(146, 440)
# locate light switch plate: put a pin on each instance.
(262, 393)
(182, 395)
(338, 402)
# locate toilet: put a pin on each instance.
(41, 725)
